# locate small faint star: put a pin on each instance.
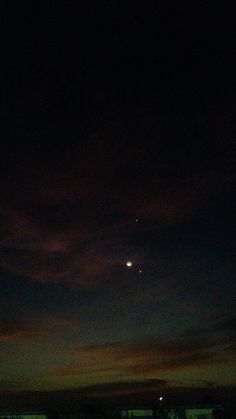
(140, 271)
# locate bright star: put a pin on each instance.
(129, 264)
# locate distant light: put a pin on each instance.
(160, 398)
(129, 264)
(140, 271)
(137, 220)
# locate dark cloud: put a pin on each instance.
(125, 387)
(80, 241)
(225, 325)
(14, 332)
(74, 205)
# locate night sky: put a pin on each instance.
(119, 146)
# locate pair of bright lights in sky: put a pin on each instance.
(129, 264)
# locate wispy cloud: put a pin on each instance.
(38, 328)
(148, 359)
(14, 332)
